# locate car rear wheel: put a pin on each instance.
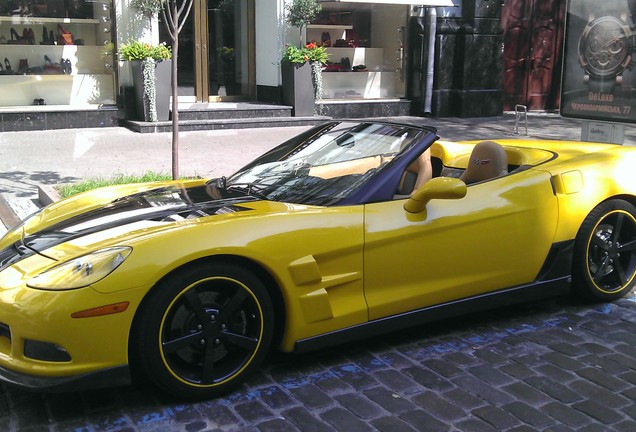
(204, 330)
(605, 252)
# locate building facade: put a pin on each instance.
(59, 68)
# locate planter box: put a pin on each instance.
(298, 88)
(163, 71)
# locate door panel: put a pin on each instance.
(496, 237)
(229, 44)
(533, 32)
(515, 18)
(216, 51)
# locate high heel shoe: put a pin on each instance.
(30, 36)
(14, 35)
(7, 65)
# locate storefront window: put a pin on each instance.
(366, 47)
(56, 52)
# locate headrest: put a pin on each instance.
(487, 160)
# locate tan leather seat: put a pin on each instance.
(487, 160)
(417, 173)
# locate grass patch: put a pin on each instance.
(66, 190)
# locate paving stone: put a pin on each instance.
(396, 381)
(367, 362)
(476, 425)
(482, 390)
(253, 411)
(427, 378)
(462, 398)
(460, 358)
(567, 349)
(623, 336)
(490, 357)
(518, 371)
(311, 396)
(497, 417)
(621, 359)
(522, 428)
(527, 393)
(595, 427)
(354, 376)
(439, 407)
(529, 415)
(530, 360)
(553, 389)
(305, 421)
(360, 405)
(630, 394)
(395, 360)
(628, 350)
(625, 426)
(220, 414)
(563, 361)
(630, 411)
(186, 413)
(391, 424)
(344, 421)
(555, 373)
(195, 426)
(490, 375)
(276, 425)
(596, 392)
(603, 379)
(598, 411)
(566, 415)
(595, 348)
(331, 384)
(388, 400)
(423, 422)
(604, 363)
(443, 367)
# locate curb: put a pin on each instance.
(7, 215)
(47, 194)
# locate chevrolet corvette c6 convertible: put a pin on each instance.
(351, 229)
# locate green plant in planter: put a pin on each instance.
(299, 13)
(149, 55)
(139, 50)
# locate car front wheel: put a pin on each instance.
(204, 330)
(605, 252)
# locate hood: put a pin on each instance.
(171, 203)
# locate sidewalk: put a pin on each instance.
(29, 159)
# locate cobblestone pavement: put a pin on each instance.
(552, 366)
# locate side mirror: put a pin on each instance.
(437, 188)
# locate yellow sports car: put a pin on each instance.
(351, 229)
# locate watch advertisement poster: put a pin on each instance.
(599, 74)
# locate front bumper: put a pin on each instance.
(113, 377)
(94, 350)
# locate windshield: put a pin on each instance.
(327, 164)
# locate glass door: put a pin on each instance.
(216, 51)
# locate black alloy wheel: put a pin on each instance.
(204, 330)
(605, 252)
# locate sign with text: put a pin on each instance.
(598, 66)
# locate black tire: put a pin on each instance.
(604, 263)
(203, 330)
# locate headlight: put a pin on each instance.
(82, 271)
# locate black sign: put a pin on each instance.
(598, 67)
